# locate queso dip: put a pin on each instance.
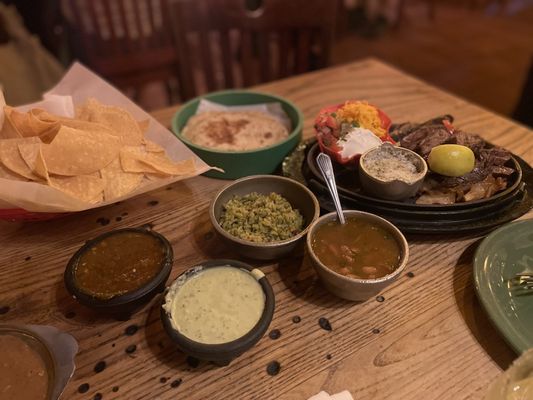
(216, 305)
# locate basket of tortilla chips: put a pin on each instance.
(52, 163)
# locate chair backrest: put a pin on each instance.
(228, 45)
(121, 36)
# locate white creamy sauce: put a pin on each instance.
(389, 163)
(521, 390)
(217, 305)
(357, 141)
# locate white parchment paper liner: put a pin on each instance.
(273, 109)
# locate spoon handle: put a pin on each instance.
(324, 164)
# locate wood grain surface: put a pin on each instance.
(428, 339)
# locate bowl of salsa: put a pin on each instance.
(218, 309)
(37, 362)
(119, 271)
(358, 259)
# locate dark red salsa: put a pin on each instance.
(118, 264)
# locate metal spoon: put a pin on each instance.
(324, 164)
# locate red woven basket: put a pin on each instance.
(21, 215)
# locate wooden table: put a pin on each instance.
(428, 339)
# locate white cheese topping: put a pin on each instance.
(357, 141)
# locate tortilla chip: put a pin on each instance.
(79, 152)
(86, 126)
(9, 129)
(12, 159)
(137, 159)
(116, 118)
(153, 147)
(87, 188)
(129, 160)
(155, 177)
(49, 135)
(6, 173)
(33, 156)
(30, 123)
(119, 182)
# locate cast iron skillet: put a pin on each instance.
(348, 185)
(222, 354)
(424, 219)
(121, 307)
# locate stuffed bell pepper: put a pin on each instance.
(345, 131)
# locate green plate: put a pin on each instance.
(504, 253)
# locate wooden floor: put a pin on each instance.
(481, 55)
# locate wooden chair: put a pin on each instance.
(128, 42)
(234, 43)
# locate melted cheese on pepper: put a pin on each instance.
(362, 113)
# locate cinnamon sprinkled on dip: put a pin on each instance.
(234, 130)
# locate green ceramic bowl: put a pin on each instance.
(237, 164)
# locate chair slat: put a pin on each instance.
(303, 50)
(110, 26)
(265, 58)
(207, 59)
(85, 38)
(155, 38)
(126, 26)
(141, 38)
(227, 58)
(247, 63)
(284, 53)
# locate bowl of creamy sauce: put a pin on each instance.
(217, 310)
(391, 172)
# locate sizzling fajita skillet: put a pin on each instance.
(482, 214)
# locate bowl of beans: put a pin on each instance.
(357, 259)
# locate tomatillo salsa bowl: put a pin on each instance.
(218, 309)
(237, 164)
(299, 197)
(119, 271)
(347, 286)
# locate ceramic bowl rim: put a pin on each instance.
(295, 130)
(276, 244)
(404, 245)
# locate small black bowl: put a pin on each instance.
(121, 307)
(222, 354)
